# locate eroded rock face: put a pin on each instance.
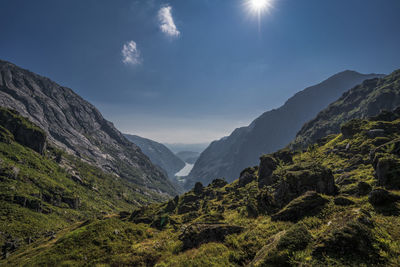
(23, 131)
(196, 234)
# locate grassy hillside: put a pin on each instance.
(42, 193)
(337, 203)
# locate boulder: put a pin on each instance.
(247, 176)
(308, 204)
(73, 202)
(373, 133)
(387, 171)
(380, 197)
(196, 234)
(350, 128)
(218, 183)
(141, 215)
(301, 179)
(343, 201)
(188, 207)
(353, 240)
(160, 222)
(363, 188)
(267, 166)
(198, 188)
(295, 239)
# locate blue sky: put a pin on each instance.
(190, 71)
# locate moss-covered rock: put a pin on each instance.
(247, 176)
(267, 165)
(306, 205)
(298, 179)
(353, 242)
(23, 131)
(296, 238)
(197, 234)
(343, 201)
(380, 196)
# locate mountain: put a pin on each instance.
(364, 100)
(336, 204)
(272, 130)
(159, 154)
(74, 125)
(44, 189)
(188, 156)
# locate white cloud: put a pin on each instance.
(131, 54)
(167, 24)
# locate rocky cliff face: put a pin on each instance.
(364, 100)
(158, 154)
(272, 130)
(75, 125)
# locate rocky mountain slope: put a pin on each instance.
(336, 204)
(364, 100)
(76, 126)
(272, 130)
(44, 190)
(188, 156)
(159, 154)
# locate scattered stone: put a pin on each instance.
(376, 133)
(343, 201)
(218, 183)
(363, 188)
(196, 234)
(124, 214)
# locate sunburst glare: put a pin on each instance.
(259, 6)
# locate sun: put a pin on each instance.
(259, 6)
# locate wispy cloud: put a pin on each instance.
(131, 54)
(167, 24)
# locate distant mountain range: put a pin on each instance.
(188, 156)
(76, 126)
(271, 131)
(159, 154)
(178, 147)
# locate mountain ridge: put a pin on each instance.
(159, 154)
(366, 99)
(227, 156)
(77, 126)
